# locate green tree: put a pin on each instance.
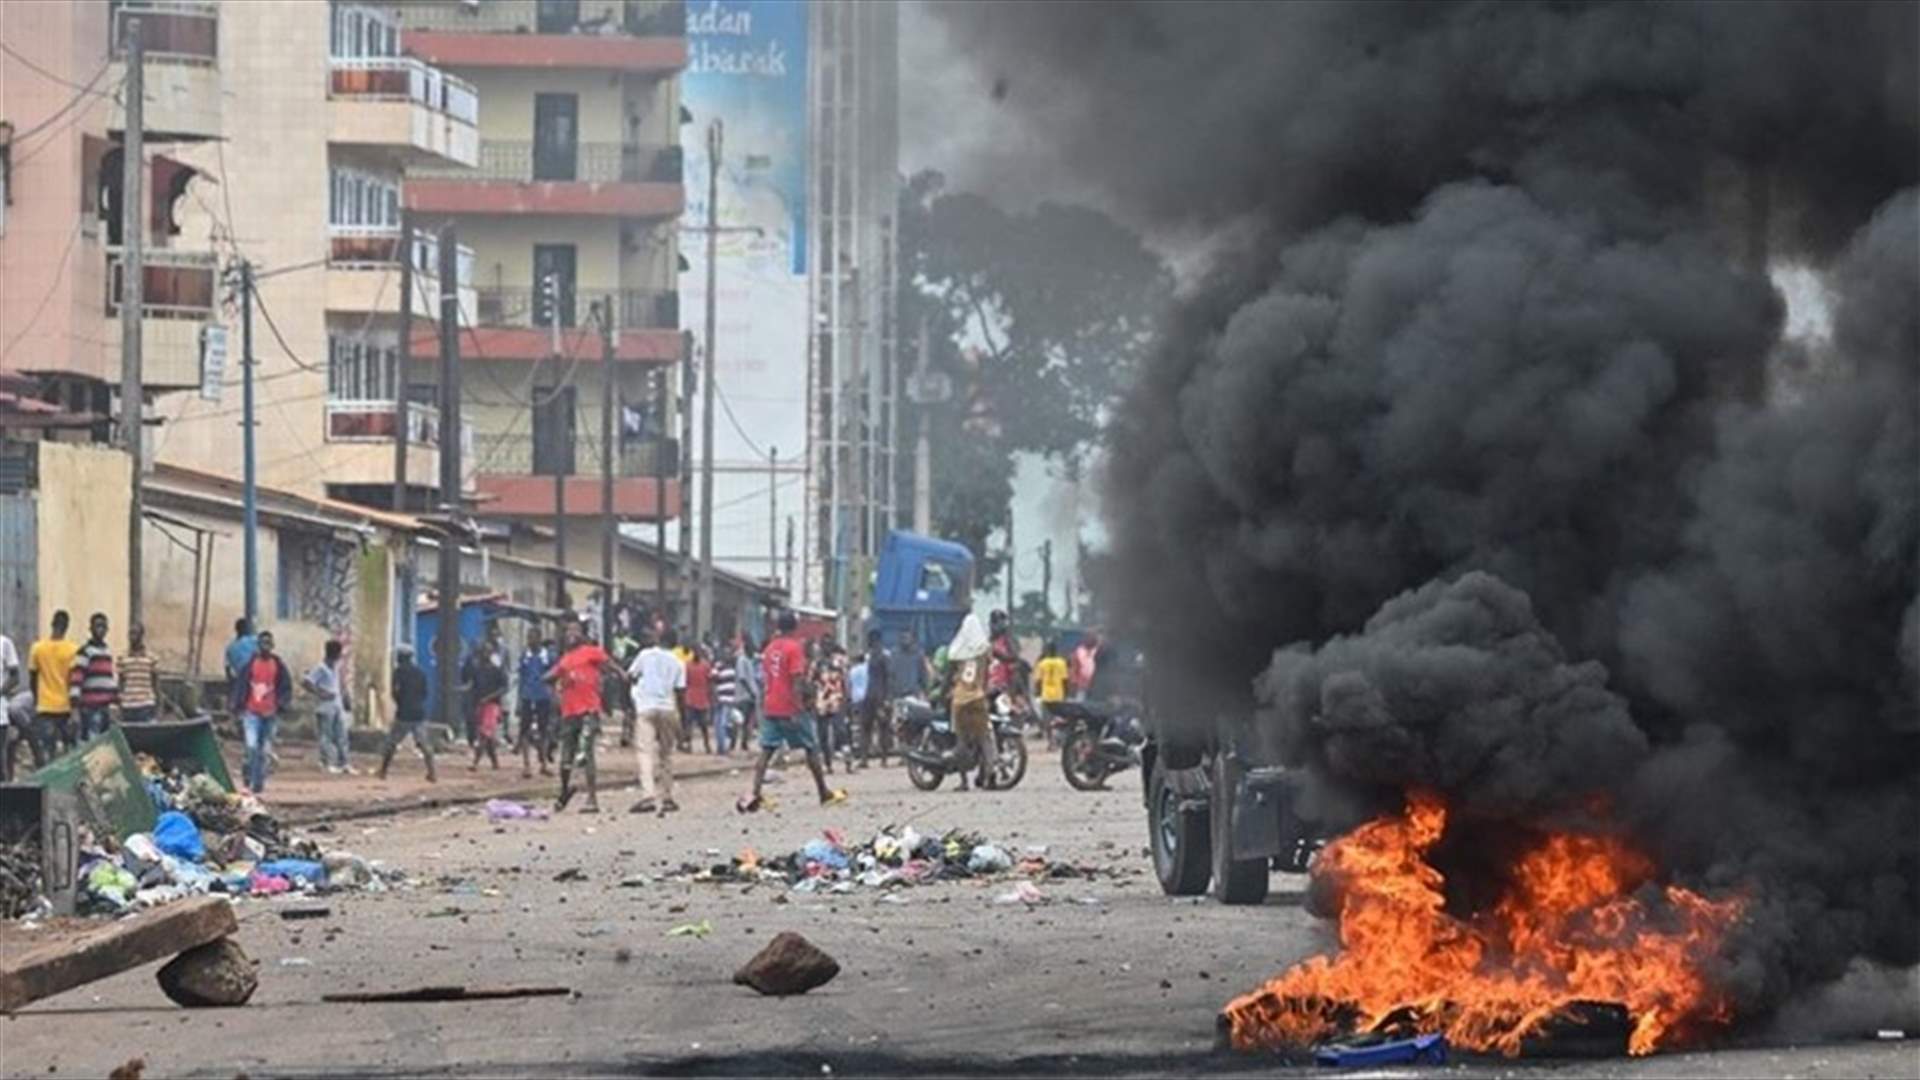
(1038, 319)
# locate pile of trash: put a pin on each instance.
(893, 858)
(22, 890)
(207, 839)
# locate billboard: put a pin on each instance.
(747, 68)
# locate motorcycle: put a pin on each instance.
(933, 747)
(1097, 740)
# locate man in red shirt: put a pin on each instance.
(260, 695)
(576, 682)
(783, 725)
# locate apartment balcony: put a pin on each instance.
(183, 67)
(363, 273)
(179, 299)
(625, 180)
(646, 480)
(515, 324)
(400, 105)
(634, 36)
(359, 443)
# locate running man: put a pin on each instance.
(576, 680)
(783, 722)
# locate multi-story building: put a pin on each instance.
(572, 211)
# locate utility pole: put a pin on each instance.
(686, 475)
(772, 514)
(1010, 554)
(608, 529)
(249, 489)
(703, 614)
(657, 408)
(447, 642)
(791, 591)
(403, 365)
(133, 282)
(922, 450)
(551, 283)
(1046, 576)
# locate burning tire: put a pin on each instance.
(1235, 881)
(1182, 848)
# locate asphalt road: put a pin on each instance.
(1107, 977)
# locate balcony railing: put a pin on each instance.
(173, 285)
(372, 421)
(635, 309)
(514, 454)
(640, 18)
(403, 78)
(362, 247)
(175, 31)
(601, 163)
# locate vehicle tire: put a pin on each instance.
(924, 777)
(1010, 760)
(1235, 881)
(1083, 770)
(1181, 846)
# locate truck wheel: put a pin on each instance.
(1178, 839)
(1235, 881)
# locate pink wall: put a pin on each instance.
(52, 277)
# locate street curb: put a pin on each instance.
(325, 814)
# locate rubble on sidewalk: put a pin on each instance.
(892, 858)
(790, 964)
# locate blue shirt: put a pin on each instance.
(534, 665)
(857, 683)
(240, 653)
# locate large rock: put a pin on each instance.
(788, 965)
(216, 974)
(40, 965)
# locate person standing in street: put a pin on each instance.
(969, 656)
(409, 712)
(747, 697)
(1080, 666)
(725, 687)
(876, 705)
(489, 700)
(139, 682)
(830, 704)
(9, 727)
(266, 689)
(783, 724)
(659, 698)
(330, 710)
(94, 683)
(536, 707)
(50, 664)
(697, 715)
(576, 679)
(1050, 684)
(911, 671)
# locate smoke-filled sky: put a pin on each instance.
(1485, 416)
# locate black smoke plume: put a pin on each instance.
(1500, 340)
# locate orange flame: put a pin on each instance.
(1579, 921)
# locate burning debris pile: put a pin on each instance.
(1573, 927)
(1498, 331)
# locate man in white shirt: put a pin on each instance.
(659, 696)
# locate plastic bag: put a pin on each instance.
(295, 869)
(176, 834)
(988, 859)
(1025, 892)
(825, 853)
(507, 810)
(260, 884)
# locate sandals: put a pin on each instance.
(644, 806)
(749, 804)
(834, 797)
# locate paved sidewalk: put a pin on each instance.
(299, 792)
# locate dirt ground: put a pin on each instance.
(1107, 977)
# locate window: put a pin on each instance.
(361, 368)
(357, 199)
(360, 32)
(934, 579)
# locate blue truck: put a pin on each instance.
(921, 584)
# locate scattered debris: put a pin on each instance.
(790, 964)
(216, 974)
(23, 890)
(1378, 1049)
(446, 993)
(571, 873)
(622, 955)
(298, 914)
(1581, 1029)
(701, 930)
(1026, 892)
(499, 810)
(129, 1069)
(891, 859)
(43, 970)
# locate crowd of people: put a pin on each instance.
(796, 694)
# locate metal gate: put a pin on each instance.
(19, 569)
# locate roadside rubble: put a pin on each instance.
(789, 964)
(893, 858)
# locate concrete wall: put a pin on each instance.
(503, 249)
(82, 535)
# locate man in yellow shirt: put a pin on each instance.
(1050, 683)
(50, 662)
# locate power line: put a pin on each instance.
(23, 136)
(734, 421)
(62, 80)
(59, 273)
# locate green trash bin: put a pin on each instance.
(102, 775)
(188, 744)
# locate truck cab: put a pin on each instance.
(921, 584)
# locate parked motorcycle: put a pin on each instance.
(1097, 740)
(933, 747)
